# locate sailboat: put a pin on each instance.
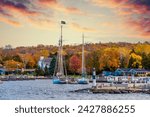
(60, 75)
(83, 80)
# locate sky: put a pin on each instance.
(33, 22)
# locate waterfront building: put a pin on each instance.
(44, 62)
(127, 72)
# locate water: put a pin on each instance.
(45, 90)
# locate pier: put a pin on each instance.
(117, 88)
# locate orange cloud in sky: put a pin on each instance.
(42, 23)
(135, 13)
(60, 7)
(79, 28)
(11, 22)
(109, 3)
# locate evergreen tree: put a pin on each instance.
(52, 66)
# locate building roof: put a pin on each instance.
(132, 69)
(47, 61)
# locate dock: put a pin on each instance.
(109, 88)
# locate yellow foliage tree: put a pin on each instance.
(109, 59)
(137, 61)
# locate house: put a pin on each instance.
(122, 72)
(44, 62)
(129, 72)
(139, 72)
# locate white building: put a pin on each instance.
(44, 62)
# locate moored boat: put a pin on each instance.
(83, 80)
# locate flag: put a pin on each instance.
(63, 22)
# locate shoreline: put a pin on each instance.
(24, 78)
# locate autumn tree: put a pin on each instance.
(124, 56)
(13, 65)
(92, 61)
(28, 61)
(75, 64)
(109, 60)
(135, 61)
(44, 52)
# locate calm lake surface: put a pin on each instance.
(45, 90)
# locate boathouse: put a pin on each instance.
(127, 72)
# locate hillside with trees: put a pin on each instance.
(102, 56)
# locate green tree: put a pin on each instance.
(146, 61)
(46, 71)
(39, 71)
(52, 66)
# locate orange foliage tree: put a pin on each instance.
(13, 65)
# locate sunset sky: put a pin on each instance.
(33, 22)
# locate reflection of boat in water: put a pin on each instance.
(60, 74)
(83, 80)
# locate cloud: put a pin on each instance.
(38, 13)
(54, 4)
(16, 12)
(11, 22)
(136, 13)
(79, 28)
(42, 23)
(142, 25)
(16, 7)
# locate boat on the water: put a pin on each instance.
(60, 72)
(58, 81)
(83, 80)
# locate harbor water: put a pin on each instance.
(45, 90)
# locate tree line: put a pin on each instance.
(102, 56)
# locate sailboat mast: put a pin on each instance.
(61, 56)
(83, 67)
